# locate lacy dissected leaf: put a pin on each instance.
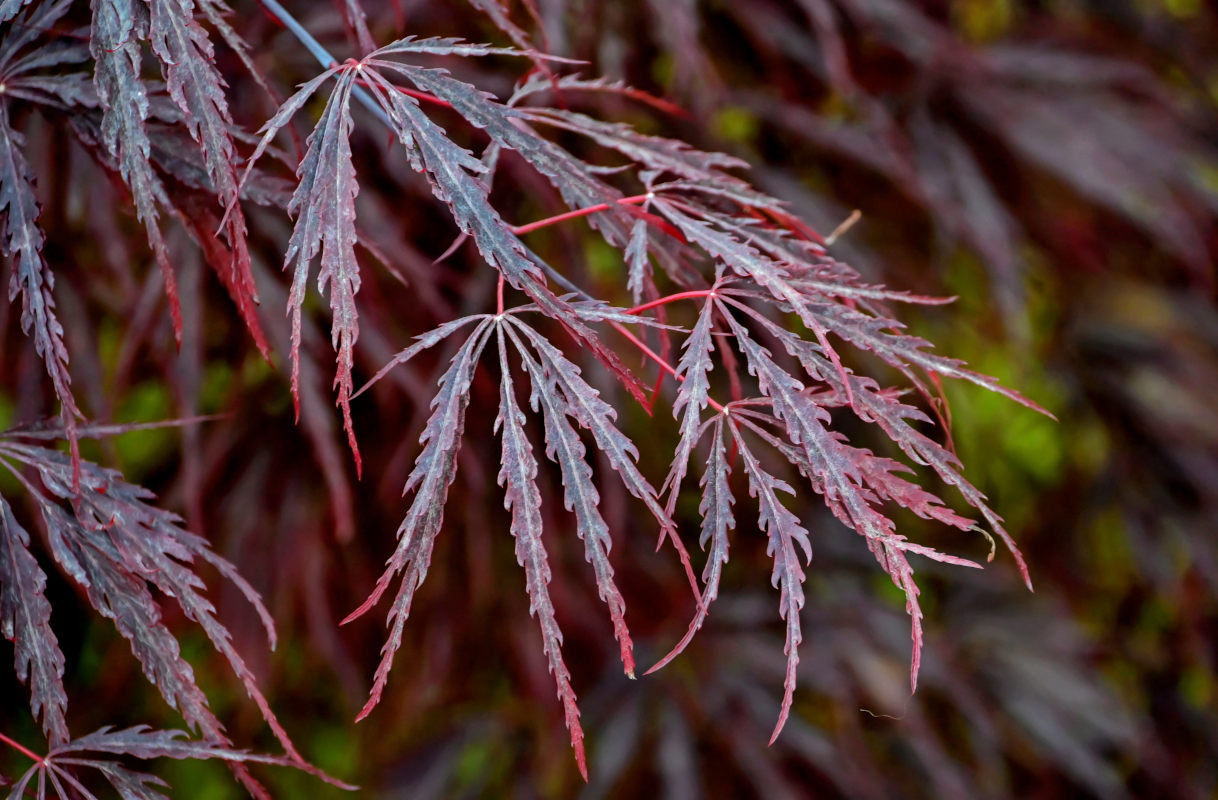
(787, 539)
(839, 473)
(508, 127)
(584, 404)
(434, 470)
(31, 278)
(58, 776)
(518, 477)
(717, 519)
(35, 22)
(452, 172)
(693, 371)
(741, 251)
(877, 473)
(119, 26)
(25, 620)
(651, 152)
(141, 742)
(791, 283)
(23, 238)
(324, 206)
(68, 92)
(565, 448)
(903, 351)
(741, 256)
(837, 468)
(638, 265)
(124, 598)
(36, 73)
(800, 251)
(116, 545)
(195, 85)
(894, 418)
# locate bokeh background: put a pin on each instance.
(1051, 164)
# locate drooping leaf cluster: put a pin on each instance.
(705, 228)
(118, 549)
(57, 771)
(770, 365)
(1055, 168)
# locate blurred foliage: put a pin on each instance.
(1051, 164)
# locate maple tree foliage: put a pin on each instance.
(786, 342)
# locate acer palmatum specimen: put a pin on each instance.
(753, 385)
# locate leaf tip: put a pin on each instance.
(581, 759)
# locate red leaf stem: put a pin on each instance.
(415, 93)
(25, 751)
(520, 230)
(664, 365)
(672, 298)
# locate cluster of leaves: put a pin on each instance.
(699, 214)
(682, 226)
(919, 97)
(1057, 162)
(100, 530)
(118, 549)
(58, 769)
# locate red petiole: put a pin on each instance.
(520, 230)
(21, 749)
(664, 365)
(415, 93)
(690, 295)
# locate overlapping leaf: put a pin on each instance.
(324, 197)
(25, 620)
(31, 278)
(788, 541)
(59, 765)
(584, 405)
(324, 206)
(117, 548)
(715, 509)
(564, 447)
(518, 477)
(692, 396)
(560, 394)
(434, 470)
(196, 87)
(119, 26)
